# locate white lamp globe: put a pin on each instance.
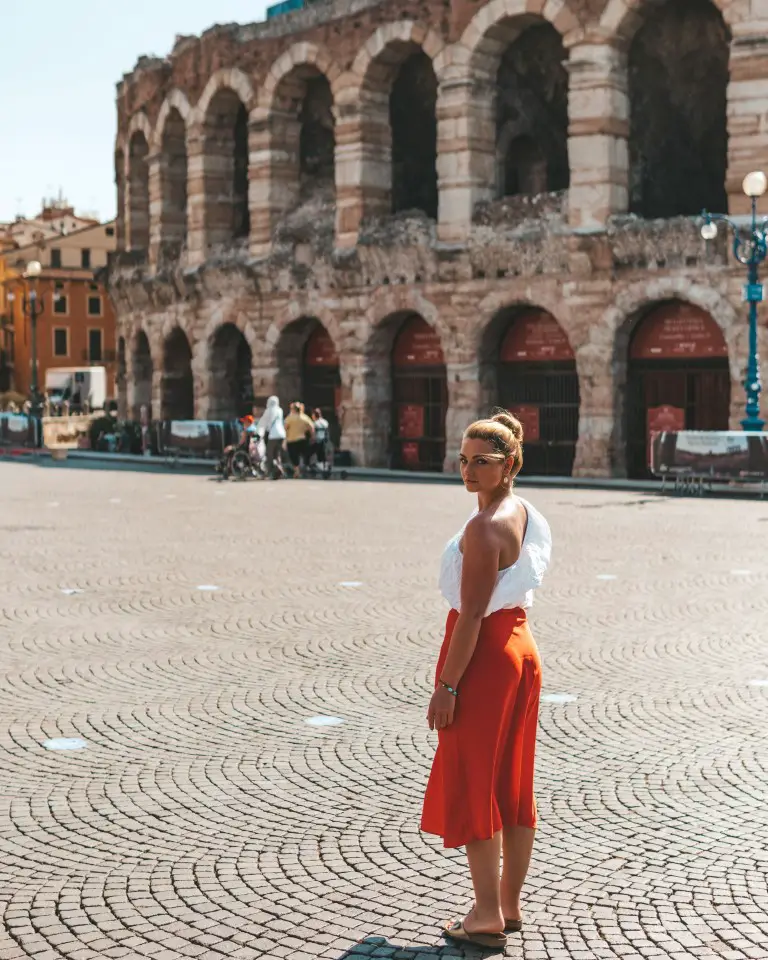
(709, 231)
(755, 183)
(34, 269)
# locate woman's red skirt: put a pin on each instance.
(482, 774)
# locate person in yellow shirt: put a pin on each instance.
(299, 432)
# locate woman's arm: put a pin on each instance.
(480, 569)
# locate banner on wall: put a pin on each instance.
(528, 415)
(665, 417)
(717, 455)
(410, 420)
(409, 454)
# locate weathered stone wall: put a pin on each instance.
(331, 249)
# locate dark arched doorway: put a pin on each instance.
(321, 378)
(413, 123)
(177, 390)
(419, 397)
(536, 379)
(142, 377)
(231, 385)
(677, 378)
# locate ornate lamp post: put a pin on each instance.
(32, 307)
(750, 249)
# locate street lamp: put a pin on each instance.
(32, 308)
(750, 249)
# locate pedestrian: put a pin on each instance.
(299, 431)
(321, 437)
(487, 685)
(272, 427)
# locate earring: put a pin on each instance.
(506, 480)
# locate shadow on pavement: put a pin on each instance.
(383, 948)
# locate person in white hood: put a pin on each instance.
(272, 426)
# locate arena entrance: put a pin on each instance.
(537, 381)
(678, 378)
(321, 381)
(419, 398)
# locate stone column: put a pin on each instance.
(463, 407)
(600, 449)
(196, 240)
(363, 161)
(352, 412)
(155, 165)
(466, 152)
(273, 187)
(598, 130)
(201, 378)
(747, 96)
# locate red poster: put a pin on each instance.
(528, 415)
(409, 454)
(410, 420)
(417, 345)
(321, 350)
(677, 330)
(535, 336)
(662, 418)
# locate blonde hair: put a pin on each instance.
(504, 432)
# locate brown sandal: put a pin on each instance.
(491, 941)
(512, 926)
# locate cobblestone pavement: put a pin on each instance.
(207, 818)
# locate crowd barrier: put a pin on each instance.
(19, 430)
(695, 458)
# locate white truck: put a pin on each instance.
(77, 385)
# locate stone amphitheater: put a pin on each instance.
(408, 212)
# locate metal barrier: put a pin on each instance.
(698, 459)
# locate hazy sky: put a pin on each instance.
(58, 69)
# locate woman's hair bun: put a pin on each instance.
(511, 422)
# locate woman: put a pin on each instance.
(272, 426)
(486, 700)
(298, 429)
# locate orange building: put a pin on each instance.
(76, 325)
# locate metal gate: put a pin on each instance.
(420, 396)
(545, 397)
(699, 388)
(321, 388)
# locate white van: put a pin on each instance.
(77, 385)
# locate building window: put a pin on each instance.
(55, 258)
(94, 346)
(60, 304)
(110, 231)
(85, 259)
(60, 342)
(94, 306)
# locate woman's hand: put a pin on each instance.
(441, 709)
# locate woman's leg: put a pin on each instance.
(518, 846)
(484, 858)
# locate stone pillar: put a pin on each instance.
(196, 241)
(466, 152)
(273, 188)
(463, 407)
(600, 449)
(598, 131)
(747, 96)
(363, 160)
(352, 411)
(155, 163)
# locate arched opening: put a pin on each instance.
(226, 169)
(528, 367)
(138, 174)
(413, 124)
(173, 182)
(532, 112)
(177, 390)
(231, 384)
(678, 140)
(142, 377)
(419, 397)
(677, 378)
(120, 187)
(308, 370)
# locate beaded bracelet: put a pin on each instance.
(450, 689)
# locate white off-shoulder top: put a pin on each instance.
(515, 584)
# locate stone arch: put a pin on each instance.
(177, 392)
(176, 100)
(387, 176)
(296, 139)
(677, 71)
(604, 358)
(223, 117)
(621, 18)
(230, 362)
(504, 80)
(141, 372)
(138, 184)
(171, 132)
(225, 79)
